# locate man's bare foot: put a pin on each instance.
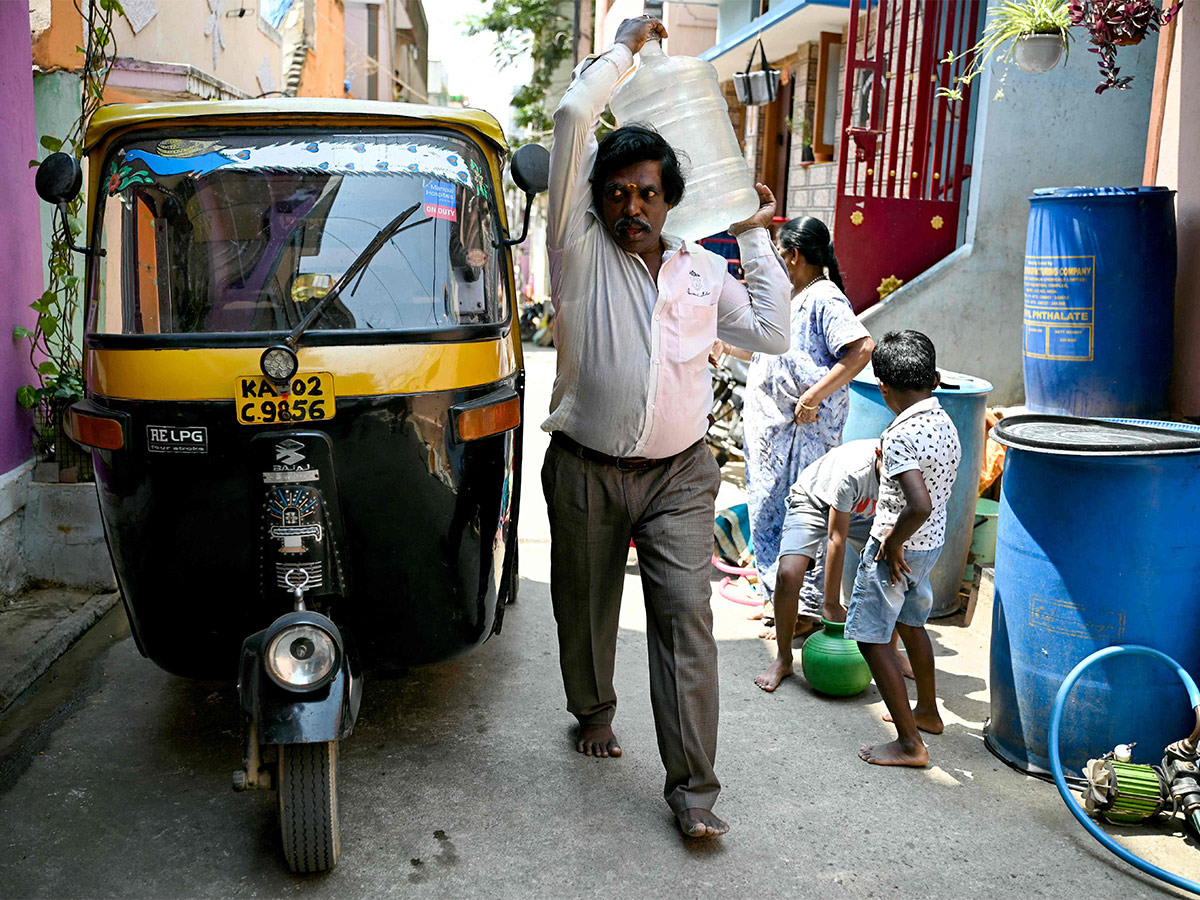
(775, 673)
(928, 721)
(905, 665)
(700, 823)
(896, 754)
(597, 740)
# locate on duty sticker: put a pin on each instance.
(176, 439)
(441, 201)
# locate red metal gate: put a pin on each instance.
(903, 158)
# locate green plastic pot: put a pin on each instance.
(832, 664)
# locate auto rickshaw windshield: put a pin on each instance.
(246, 233)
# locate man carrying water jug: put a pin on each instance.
(636, 313)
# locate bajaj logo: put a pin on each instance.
(288, 453)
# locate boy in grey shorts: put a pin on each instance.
(830, 504)
(921, 453)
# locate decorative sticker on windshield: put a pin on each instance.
(440, 201)
(174, 157)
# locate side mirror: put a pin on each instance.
(531, 171)
(59, 177)
(531, 168)
(58, 180)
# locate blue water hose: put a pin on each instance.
(1056, 765)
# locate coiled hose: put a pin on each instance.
(1060, 781)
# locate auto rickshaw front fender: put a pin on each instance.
(292, 717)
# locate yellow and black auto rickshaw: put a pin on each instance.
(304, 396)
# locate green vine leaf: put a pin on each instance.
(27, 396)
(52, 144)
(20, 332)
(47, 368)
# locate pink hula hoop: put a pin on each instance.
(725, 589)
(732, 570)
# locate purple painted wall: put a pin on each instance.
(20, 253)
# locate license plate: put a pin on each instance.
(259, 403)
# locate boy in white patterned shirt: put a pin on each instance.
(921, 453)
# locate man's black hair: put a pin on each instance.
(905, 361)
(633, 144)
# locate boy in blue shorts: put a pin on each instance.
(921, 453)
(829, 506)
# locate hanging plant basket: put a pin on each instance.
(1037, 54)
(1119, 23)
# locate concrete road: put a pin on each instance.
(459, 782)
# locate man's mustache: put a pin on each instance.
(631, 222)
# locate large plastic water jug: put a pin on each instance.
(680, 97)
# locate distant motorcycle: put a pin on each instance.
(531, 316)
(729, 393)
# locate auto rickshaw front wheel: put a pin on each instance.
(308, 806)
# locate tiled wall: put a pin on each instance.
(812, 189)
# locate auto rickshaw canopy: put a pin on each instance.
(298, 110)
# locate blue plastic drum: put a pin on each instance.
(964, 398)
(1098, 543)
(1099, 301)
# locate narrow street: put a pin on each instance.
(459, 780)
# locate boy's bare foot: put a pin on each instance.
(928, 721)
(700, 823)
(896, 754)
(905, 666)
(774, 674)
(804, 628)
(597, 740)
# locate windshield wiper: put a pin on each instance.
(385, 234)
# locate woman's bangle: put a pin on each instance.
(804, 405)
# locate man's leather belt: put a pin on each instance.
(625, 463)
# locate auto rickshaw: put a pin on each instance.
(304, 393)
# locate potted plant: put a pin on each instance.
(1118, 23)
(1031, 33)
(806, 150)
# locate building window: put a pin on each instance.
(829, 69)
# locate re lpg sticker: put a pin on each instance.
(440, 201)
(176, 439)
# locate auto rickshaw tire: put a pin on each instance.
(308, 806)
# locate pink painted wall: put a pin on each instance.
(20, 254)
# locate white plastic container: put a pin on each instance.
(680, 97)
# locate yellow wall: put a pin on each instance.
(54, 47)
(325, 68)
(174, 35)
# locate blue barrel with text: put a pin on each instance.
(1099, 301)
(964, 398)
(1098, 543)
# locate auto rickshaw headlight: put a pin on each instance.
(302, 658)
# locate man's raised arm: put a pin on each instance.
(756, 315)
(575, 121)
